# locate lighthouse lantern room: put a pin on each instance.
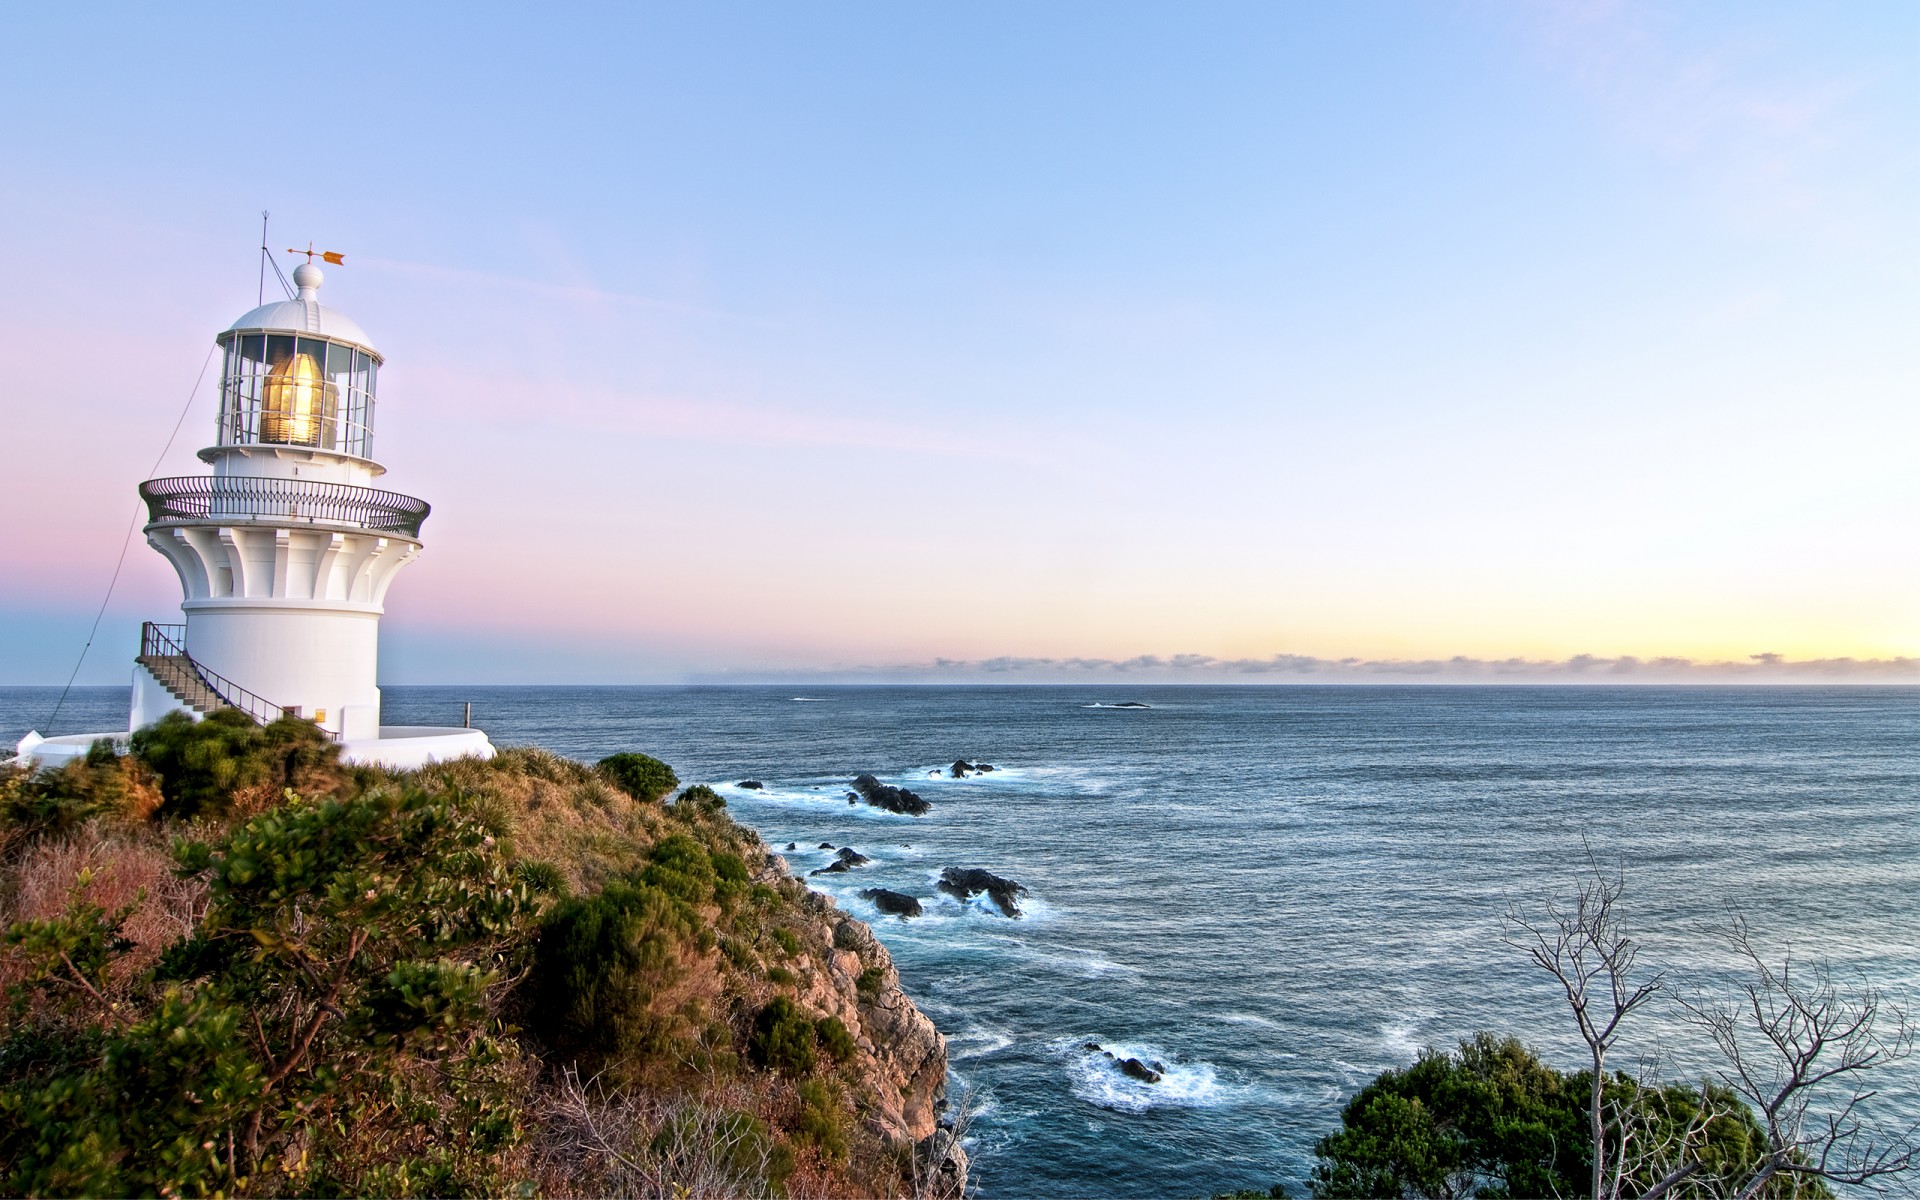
(285, 551)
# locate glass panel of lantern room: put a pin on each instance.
(340, 384)
(241, 404)
(369, 372)
(323, 395)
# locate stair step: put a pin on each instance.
(176, 674)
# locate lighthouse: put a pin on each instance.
(286, 549)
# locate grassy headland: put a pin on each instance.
(234, 965)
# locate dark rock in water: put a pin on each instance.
(1131, 704)
(836, 867)
(1159, 1066)
(793, 845)
(852, 796)
(893, 799)
(752, 785)
(852, 857)
(983, 766)
(894, 904)
(826, 845)
(1092, 1046)
(963, 883)
(853, 799)
(1133, 1068)
(960, 768)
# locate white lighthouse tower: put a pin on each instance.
(286, 551)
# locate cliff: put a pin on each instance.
(238, 966)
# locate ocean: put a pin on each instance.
(1275, 892)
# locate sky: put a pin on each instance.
(860, 341)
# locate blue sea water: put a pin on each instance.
(1276, 892)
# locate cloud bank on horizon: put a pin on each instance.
(1307, 668)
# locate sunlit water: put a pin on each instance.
(1275, 892)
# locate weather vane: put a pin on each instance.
(326, 256)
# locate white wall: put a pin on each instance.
(320, 660)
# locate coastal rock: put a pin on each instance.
(836, 867)
(983, 766)
(826, 845)
(964, 883)
(961, 767)
(893, 799)
(752, 785)
(852, 797)
(793, 845)
(894, 904)
(851, 976)
(1131, 704)
(941, 1162)
(1133, 1068)
(852, 857)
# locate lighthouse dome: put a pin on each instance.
(305, 314)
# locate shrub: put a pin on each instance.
(783, 1038)
(1494, 1120)
(788, 943)
(599, 962)
(37, 803)
(701, 798)
(782, 976)
(327, 1019)
(870, 982)
(834, 1038)
(201, 764)
(821, 1122)
(641, 776)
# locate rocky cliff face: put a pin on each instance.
(846, 973)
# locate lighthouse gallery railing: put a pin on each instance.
(263, 498)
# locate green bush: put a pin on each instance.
(328, 1013)
(701, 798)
(1492, 1120)
(783, 1038)
(870, 982)
(36, 803)
(201, 764)
(834, 1038)
(821, 1123)
(788, 943)
(599, 961)
(641, 776)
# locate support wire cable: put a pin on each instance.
(128, 540)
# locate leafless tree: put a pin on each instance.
(646, 1147)
(1587, 950)
(936, 1168)
(1797, 1049)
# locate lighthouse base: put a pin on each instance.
(403, 747)
(399, 747)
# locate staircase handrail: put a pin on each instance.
(157, 640)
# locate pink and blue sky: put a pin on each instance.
(1010, 341)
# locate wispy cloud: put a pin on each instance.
(1305, 668)
(1744, 113)
(468, 279)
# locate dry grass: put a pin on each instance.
(114, 866)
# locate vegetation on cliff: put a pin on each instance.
(234, 965)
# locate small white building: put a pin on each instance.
(285, 552)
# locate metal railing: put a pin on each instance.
(169, 641)
(281, 501)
